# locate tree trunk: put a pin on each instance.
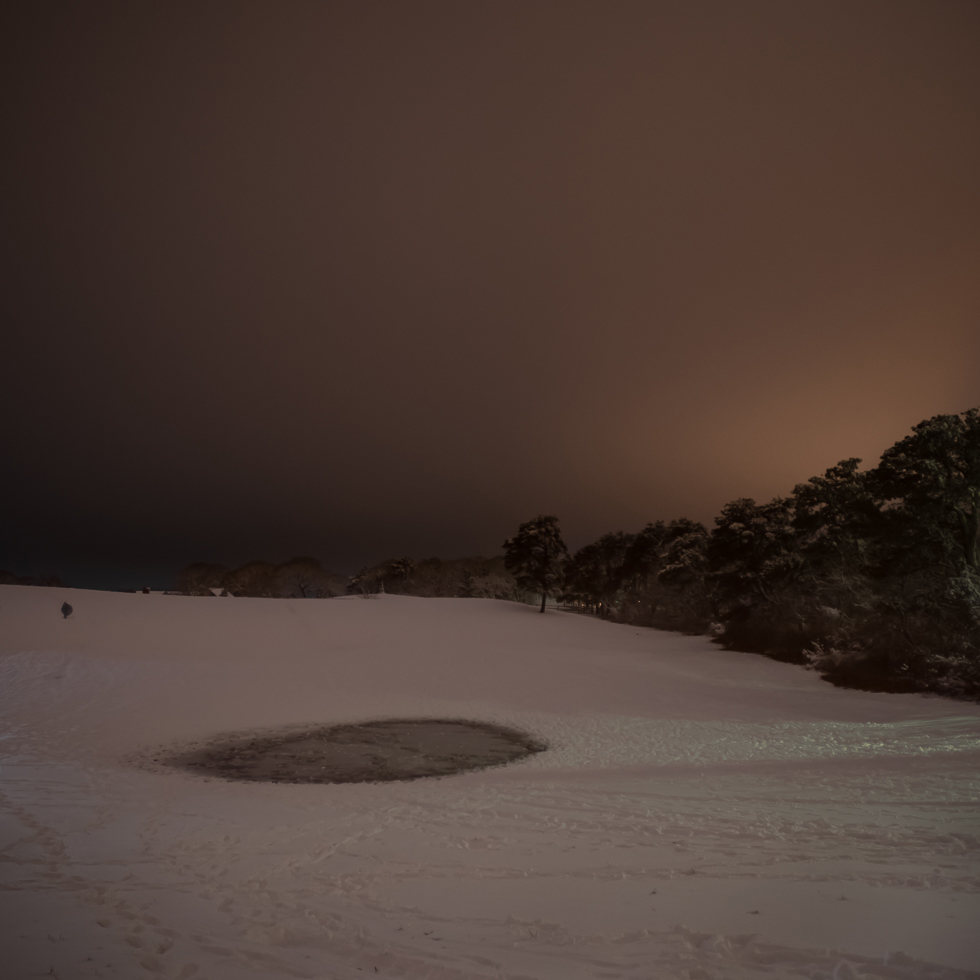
(970, 525)
(544, 599)
(971, 543)
(973, 530)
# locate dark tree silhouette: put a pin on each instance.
(596, 572)
(933, 476)
(66, 610)
(200, 578)
(536, 556)
(255, 578)
(306, 578)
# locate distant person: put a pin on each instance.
(66, 610)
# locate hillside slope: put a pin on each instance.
(699, 813)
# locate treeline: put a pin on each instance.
(306, 578)
(476, 578)
(869, 576)
(872, 577)
(298, 578)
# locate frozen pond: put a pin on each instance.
(379, 751)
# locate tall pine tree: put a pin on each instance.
(536, 556)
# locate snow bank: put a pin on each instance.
(699, 813)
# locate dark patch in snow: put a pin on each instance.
(376, 751)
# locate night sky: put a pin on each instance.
(367, 279)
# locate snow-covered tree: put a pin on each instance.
(595, 574)
(933, 479)
(680, 560)
(536, 556)
(643, 556)
(753, 551)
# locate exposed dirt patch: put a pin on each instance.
(377, 751)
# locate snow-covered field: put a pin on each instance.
(700, 814)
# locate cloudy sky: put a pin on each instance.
(361, 279)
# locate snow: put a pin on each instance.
(700, 814)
